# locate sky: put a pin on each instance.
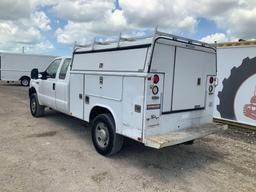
(52, 26)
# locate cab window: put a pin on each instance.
(53, 68)
(64, 68)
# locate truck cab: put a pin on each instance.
(51, 88)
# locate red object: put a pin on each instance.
(253, 100)
(156, 79)
(149, 78)
(250, 111)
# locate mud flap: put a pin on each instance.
(181, 136)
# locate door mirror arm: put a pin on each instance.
(44, 75)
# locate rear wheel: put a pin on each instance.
(24, 81)
(36, 109)
(104, 137)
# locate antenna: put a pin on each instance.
(119, 39)
(93, 43)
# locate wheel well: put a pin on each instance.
(98, 110)
(23, 77)
(32, 90)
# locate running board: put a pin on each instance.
(181, 136)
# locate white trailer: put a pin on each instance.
(235, 96)
(17, 67)
(158, 91)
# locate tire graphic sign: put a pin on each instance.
(235, 97)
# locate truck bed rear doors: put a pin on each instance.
(185, 69)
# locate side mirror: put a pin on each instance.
(34, 74)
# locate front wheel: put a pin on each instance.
(25, 81)
(104, 137)
(36, 109)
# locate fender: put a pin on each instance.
(87, 118)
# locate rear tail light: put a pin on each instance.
(156, 79)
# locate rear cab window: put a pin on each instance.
(64, 68)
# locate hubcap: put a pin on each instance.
(25, 82)
(33, 105)
(102, 135)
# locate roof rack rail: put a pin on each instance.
(183, 39)
(132, 39)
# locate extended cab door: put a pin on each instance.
(62, 87)
(48, 84)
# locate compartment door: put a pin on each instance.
(189, 89)
(77, 95)
(163, 62)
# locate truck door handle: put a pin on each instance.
(53, 86)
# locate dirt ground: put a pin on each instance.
(55, 153)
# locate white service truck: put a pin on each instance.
(158, 92)
(17, 67)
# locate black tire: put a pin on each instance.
(36, 109)
(231, 85)
(115, 141)
(25, 81)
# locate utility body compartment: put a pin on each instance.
(153, 90)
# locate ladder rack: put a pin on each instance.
(134, 39)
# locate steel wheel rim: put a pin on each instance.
(33, 105)
(102, 135)
(25, 82)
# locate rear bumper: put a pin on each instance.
(181, 136)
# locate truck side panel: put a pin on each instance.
(122, 96)
(119, 60)
(132, 104)
(112, 82)
(76, 95)
(109, 87)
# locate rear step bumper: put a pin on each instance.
(181, 136)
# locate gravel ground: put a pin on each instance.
(55, 153)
